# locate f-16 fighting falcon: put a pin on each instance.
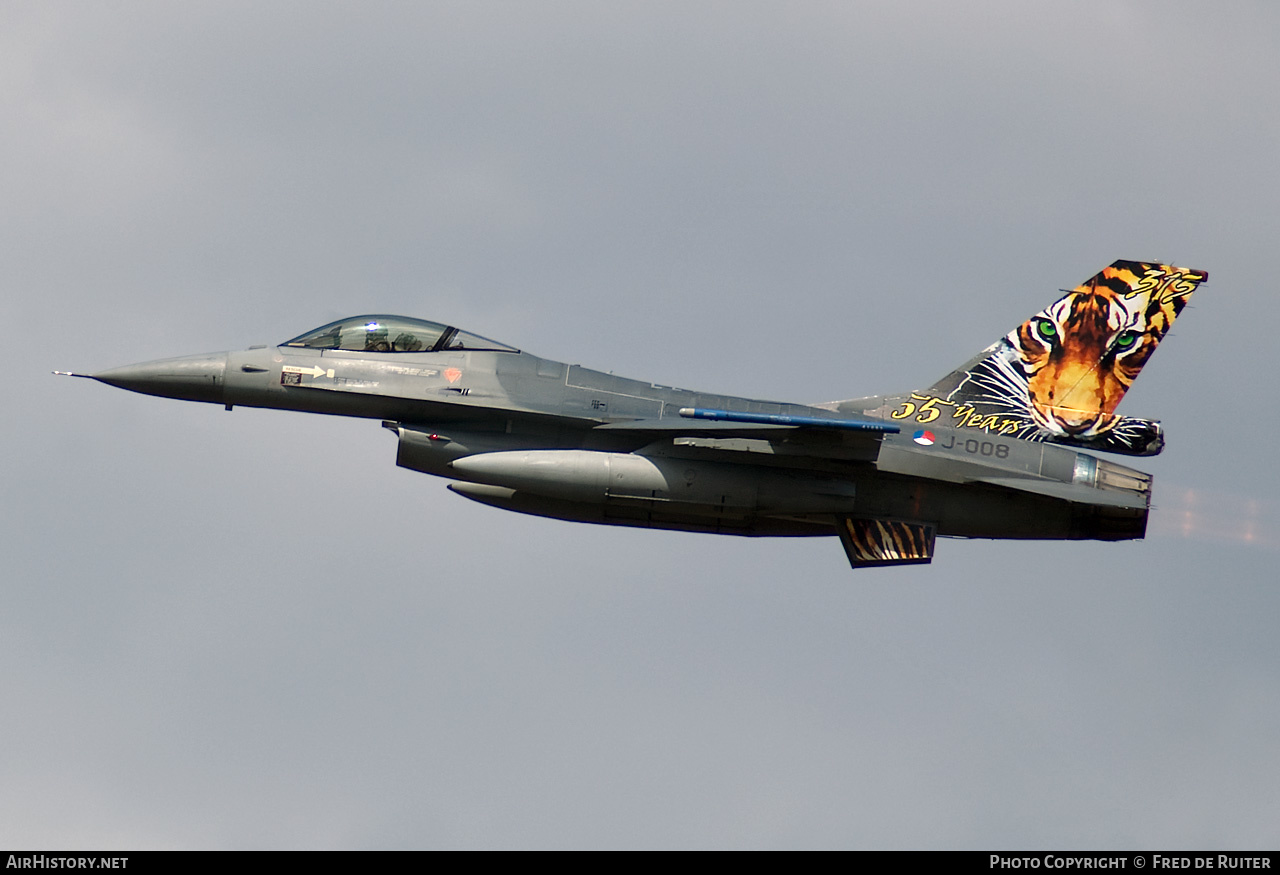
(1001, 447)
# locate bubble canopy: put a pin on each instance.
(393, 334)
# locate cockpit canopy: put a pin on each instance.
(393, 334)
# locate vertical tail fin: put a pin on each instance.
(1060, 375)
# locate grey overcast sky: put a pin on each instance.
(251, 630)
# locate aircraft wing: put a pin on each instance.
(670, 426)
(701, 420)
(774, 434)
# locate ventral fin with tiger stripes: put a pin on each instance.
(1060, 375)
(871, 543)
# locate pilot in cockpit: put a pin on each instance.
(406, 342)
(375, 338)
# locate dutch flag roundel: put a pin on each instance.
(924, 438)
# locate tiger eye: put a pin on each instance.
(1046, 329)
(1126, 339)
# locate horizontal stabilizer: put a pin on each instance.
(1076, 492)
(871, 543)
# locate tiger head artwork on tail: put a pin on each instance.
(1059, 376)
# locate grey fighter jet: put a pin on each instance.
(992, 450)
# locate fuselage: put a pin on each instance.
(539, 436)
(997, 448)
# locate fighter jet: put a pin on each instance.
(995, 449)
